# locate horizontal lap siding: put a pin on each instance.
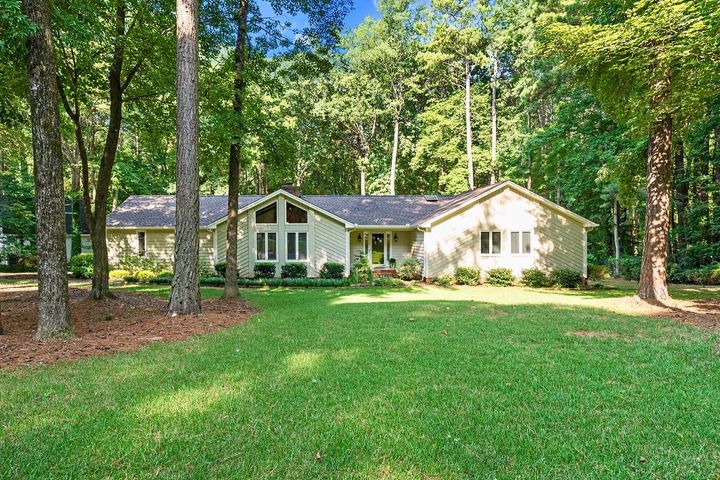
(243, 247)
(402, 249)
(159, 246)
(328, 241)
(557, 241)
(221, 241)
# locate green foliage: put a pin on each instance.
(332, 270)
(565, 277)
(468, 275)
(410, 269)
(294, 270)
(119, 274)
(144, 276)
(392, 262)
(534, 278)
(362, 270)
(165, 273)
(81, 266)
(598, 272)
(630, 268)
(387, 282)
(135, 263)
(443, 281)
(264, 270)
(499, 277)
(220, 268)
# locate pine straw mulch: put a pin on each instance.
(123, 324)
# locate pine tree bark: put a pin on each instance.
(53, 309)
(493, 108)
(468, 127)
(185, 290)
(393, 161)
(653, 270)
(231, 275)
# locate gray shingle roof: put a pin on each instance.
(399, 210)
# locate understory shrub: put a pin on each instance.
(443, 281)
(500, 277)
(165, 274)
(135, 263)
(707, 275)
(118, 274)
(143, 276)
(362, 270)
(467, 275)
(630, 268)
(294, 270)
(387, 282)
(598, 272)
(264, 270)
(81, 265)
(410, 269)
(566, 278)
(220, 268)
(332, 270)
(534, 278)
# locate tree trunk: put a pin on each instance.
(653, 271)
(185, 292)
(53, 309)
(493, 108)
(231, 275)
(362, 180)
(716, 178)
(468, 127)
(616, 236)
(393, 162)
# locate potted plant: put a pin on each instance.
(392, 262)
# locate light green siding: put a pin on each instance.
(159, 245)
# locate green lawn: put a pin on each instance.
(411, 383)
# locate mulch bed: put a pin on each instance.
(123, 324)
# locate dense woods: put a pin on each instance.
(609, 108)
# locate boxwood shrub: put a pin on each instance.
(500, 277)
(534, 278)
(410, 269)
(332, 270)
(294, 270)
(443, 281)
(81, 265)
(264, 270)
(566, 278)
(467, 275)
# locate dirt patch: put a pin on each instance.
(126, 323)
(703, 313)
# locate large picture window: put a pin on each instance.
(297, 246)
(267, 214)
(295, 214)
(519, 243)
(490, 243)
(267, 246)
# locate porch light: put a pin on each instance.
(395, 238)
(359, 237)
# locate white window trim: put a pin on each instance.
(520, 243)
(490, 254)
(137, 237)
(259, 260)
(297, 247)
(307, 214)
(261, 208)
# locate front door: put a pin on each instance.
(378, 249)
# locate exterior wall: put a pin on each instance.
(85, 244)
(159, 245)
(556, 240)
(405, 247)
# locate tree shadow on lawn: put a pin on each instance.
(398, 389)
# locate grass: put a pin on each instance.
(402, 383)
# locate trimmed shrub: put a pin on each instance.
(144, 276)
(443, 281)
(165, 274)
(598, 272)
(118, 274)
(135, 263)
(534, 278)
(566, 278)
(630, 268)
(410, 269)
(81, 265)
(467, 275)
(264, 270)
(362, 270)
(220, 268)
(332, 270)
(294, 270)
(131, 279)
(387, 282)
(500, 277)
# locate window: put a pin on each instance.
(266, 246)
(519, 242)
(490, 243)
(297, 246)
(295, 214)
(141, 244)
(267, 214)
